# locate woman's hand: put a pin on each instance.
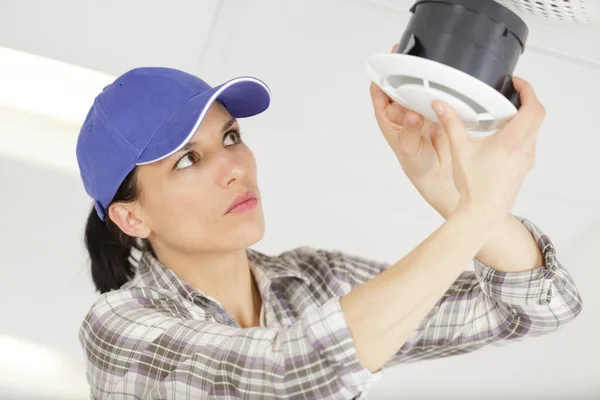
(421, 148)
(489, 171)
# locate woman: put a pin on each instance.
(188, 311)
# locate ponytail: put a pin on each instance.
(109, 248)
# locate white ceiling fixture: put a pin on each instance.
(43, 102)
(48, 87)
(576, 11)
(34, 370)
(464, 52)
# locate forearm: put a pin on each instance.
(382, 312)
(512, 248)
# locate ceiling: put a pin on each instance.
(112, 36)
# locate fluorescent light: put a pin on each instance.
(48, 87)
(35, 370)
(43, 103)
(38, 140)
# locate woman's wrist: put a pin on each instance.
(480, 218)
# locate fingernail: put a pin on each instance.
(439, 109)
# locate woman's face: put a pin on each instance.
(185, 197)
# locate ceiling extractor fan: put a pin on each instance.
(464, 53)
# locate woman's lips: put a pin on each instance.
(243, 202)
(243, 207)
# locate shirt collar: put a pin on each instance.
(266, 270)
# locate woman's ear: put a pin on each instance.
(124, 215)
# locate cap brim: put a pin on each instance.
(242, 97)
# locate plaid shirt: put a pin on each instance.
(160, 338)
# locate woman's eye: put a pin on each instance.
(236, 135)
(186, 161)
(191, 158)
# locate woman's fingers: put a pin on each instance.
(413, 122)
(522, 129)
(379, 98)
(453, 125)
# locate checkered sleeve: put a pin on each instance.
(138, 344)
(481, 307)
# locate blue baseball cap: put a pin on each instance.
(146, 115)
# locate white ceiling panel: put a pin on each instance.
(109, 35)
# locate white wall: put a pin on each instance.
(312, 55)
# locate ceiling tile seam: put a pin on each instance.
(575, 238)
(563, 56)
(211, 32)
(387, 6)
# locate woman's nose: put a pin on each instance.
(230, 167)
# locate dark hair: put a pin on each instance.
(110, 249)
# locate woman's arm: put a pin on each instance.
(139, 343)
(384, 311)
(481, 307)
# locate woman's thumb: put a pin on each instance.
(452, 124)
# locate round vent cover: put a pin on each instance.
(416, 82)
(462, 52)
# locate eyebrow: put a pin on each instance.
(190, 145)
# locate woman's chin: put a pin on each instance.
(250, 231)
